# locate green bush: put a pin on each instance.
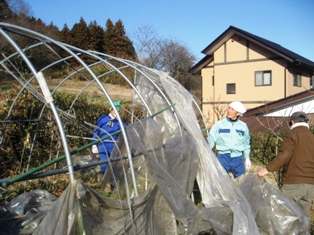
(264, 146)
(31, 136)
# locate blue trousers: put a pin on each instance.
(103, 157)
(104, 154)
(233, 164)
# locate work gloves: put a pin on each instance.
(94, 149)
(248, 163)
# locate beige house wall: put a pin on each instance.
(236, 61)
(256, 52)
(235, 51)
(220, 55)
(305, 84)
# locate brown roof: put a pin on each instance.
(266, 124)
(288, 55)
(271, 124)
(258, 122)
(281, 103)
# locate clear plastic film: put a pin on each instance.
(155, 164)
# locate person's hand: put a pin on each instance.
(248, 163)
(94, 149)
(262, 172)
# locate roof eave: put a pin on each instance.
(275, 105)
(196, 69)
(219, 41)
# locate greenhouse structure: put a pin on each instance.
(157, 162)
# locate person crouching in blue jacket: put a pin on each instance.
(106, 125)
(232, 140)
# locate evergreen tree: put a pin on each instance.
(131, 52)
(96, 41)
(117, 43)
(37, 24)
(80, 33)
(52, 31)
(124, 46)
(66, 35)
(120, 42)
(109, 37)
(67, 38)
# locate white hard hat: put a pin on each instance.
(238, 106)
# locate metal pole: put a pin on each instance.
(43, 166)
(48, 97)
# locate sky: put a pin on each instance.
(197, 23)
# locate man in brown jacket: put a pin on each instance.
(296, 158)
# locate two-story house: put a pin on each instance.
(241, 66)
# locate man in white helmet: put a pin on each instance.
(232, 140)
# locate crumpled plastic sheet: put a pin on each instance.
(216, 187)
(24, 213)
(274, 212)
(171, 154)
(93, 174)
(164, 168)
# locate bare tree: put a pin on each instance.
(177, 59)
(168, 55)
(175, 56)
(148, 46)
(20, 7)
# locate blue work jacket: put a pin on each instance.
(230, 137)
(106, 126)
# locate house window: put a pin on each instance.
(263, 78)
(297, 79)
(231, 88)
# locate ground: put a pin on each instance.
(115, 91)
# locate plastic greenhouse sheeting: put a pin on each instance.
(167, 163)
(158, 160)
(274, 212)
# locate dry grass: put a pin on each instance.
(116, 92)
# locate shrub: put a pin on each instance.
(264, 148)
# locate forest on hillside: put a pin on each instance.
(147, 47)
